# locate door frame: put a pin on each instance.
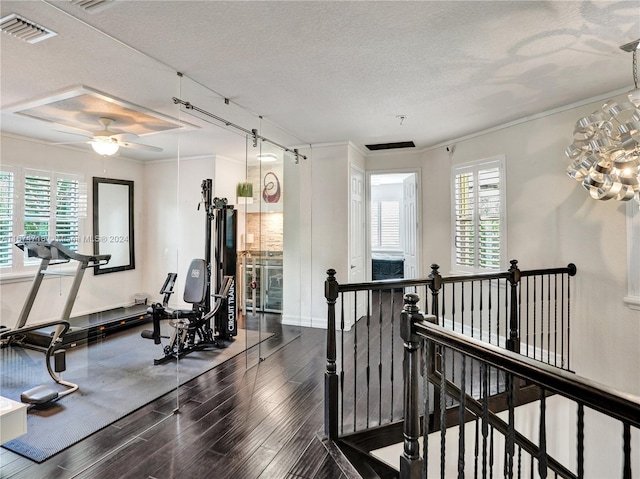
(419, 233)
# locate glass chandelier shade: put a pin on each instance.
(605, 152)
(104, 145)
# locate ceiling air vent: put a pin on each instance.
(92, 6)
(391, 146)
(25, 29)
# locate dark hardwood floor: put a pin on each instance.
(233, 422)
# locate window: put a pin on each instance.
(37, 203)
(478, 215)
(385, 225)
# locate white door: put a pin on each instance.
(357, 227)
(409, 227)
(357, 239)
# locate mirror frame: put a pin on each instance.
(103, 233)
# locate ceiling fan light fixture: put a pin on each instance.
(104, 145)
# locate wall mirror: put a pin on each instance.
(113, 224)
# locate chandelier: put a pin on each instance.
(605, 152)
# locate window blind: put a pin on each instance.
(6, 218)
(385, 224)
(37, 205)
(67, 199)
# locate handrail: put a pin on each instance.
(420, 331)
(570, 269)
(612, 402)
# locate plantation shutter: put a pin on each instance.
(385, 224)
(465, 227)
(375, 224)
(37, 205)
(489, 227)
(67, 204)
(6, 218)
(478, 216)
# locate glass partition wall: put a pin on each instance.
(132, 374)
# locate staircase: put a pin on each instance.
(489, 366)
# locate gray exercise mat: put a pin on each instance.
(115, 377)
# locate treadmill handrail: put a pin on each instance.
(34, 327)
(89, 260)
(36, 244)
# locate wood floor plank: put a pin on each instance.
(233, 422)
(308, 468)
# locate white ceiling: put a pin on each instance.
(322, 71)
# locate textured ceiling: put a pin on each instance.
(326, 71)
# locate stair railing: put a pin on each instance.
(525, 311)
(427, 343)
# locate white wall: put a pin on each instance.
(96, 292)
(327, 199)
(161, 223)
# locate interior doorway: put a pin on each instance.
(394, 233)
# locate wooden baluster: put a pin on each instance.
(330, 377)
(355, 360)
(443, 410)
(461, 421)
(572, 272)
(342, 363)
(434, 286)
(528, 310)
(555, 320)
(426, 428)
(542, 457)
(535, 332)
(626, 447)
(476, 451)
(485, 416)
(380, 357)
(513, 340)
(410, 462)
(393, 317)
(368, 369)
(510, 439)
(548, 319)
(562, 327)
(580, 441)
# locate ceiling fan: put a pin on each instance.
(107, 142)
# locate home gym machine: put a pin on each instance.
(204, 326)
(50, 253)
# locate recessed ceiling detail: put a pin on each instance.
(24, 29)
(81, 107)
(93, 6)
(391, 146)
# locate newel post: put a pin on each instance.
(330, 376)
(513, 341)
(434, 286)
(410, 462)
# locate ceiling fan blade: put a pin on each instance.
(74, 134)
(121, 136)
(138, 146)
(70, 142)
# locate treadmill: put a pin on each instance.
(84, 328)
